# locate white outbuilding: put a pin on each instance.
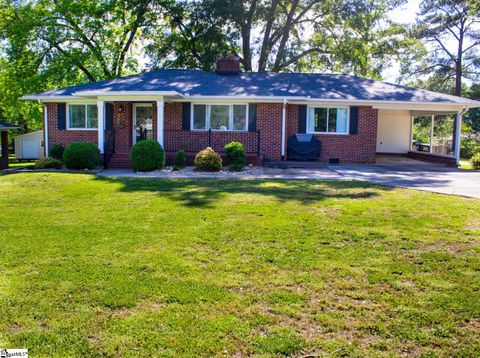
(29, 145)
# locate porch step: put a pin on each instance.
(119, 161)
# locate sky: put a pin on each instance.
(404, 14)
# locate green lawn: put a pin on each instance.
(14, 163)
(94, 267)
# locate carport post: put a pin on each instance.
(458, 135)
(431, 134)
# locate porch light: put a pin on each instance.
(120, 108)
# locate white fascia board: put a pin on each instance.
(346, 102)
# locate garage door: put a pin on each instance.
(30, 149)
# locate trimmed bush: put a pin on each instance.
(48, 163)
(56, 151)
(81, 155)
(236, 155)
(208, 160)
(476, 161)
(146, 156)
(180, 158)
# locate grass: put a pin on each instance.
(102, 267)
(465, 164)
(15, 163)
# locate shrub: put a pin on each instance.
(208, 160)
(175, 168)
(56, 151)
(476, 161)
(180, 158)
(147, 155)
(48, 163)
(81, 155)
(236, 167)
(236, 155)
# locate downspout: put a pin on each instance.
(458, 134)
(284, 115)
(45, 128)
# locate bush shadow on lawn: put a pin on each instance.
(205, 192)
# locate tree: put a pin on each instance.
(450, 32)
(280, 35)
(55, 43)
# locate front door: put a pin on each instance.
(142, 122)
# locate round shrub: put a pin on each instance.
(236, 155)
(147, 155)
(476, 161)
(180, 158)
(208, 160)
(81, 155)
(48, 163)
(56, 151)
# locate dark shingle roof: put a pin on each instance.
(318, 86)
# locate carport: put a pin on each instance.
(4, 128)
(424, 133)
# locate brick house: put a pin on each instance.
(353, 118)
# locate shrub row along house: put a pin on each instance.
(352, 117)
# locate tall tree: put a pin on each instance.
(280, 35)
(450, 31)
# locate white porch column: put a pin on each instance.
(160, 120)
(284, 115)
(458, 135)
(101, 124)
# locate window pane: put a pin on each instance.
(332, 119)
(92, 116)
(342, 120)
(219, 117)
(199, 117)
(76, 116)
(320, 120)
(240, 117)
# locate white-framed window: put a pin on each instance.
(221, 117)
(82, 116)
(332, 120)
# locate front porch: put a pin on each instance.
(127, 122)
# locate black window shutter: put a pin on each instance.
(62, 116)
(353, 120)
(109, 116)
(252, 117)
(302, 119)
(186, 116)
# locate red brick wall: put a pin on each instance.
(269, 123)
(65, 137)
(357, 148)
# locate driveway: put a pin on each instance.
(435, 178)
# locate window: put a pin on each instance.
(327, 120)
(82, 116)
(223, 117)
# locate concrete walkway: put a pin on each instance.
(434, 178)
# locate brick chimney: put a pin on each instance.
(229, 65)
